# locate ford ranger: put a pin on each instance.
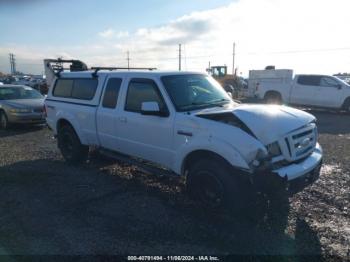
(184, 123)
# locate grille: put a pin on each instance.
(301, 143)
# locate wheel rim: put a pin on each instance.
(209, 189)
(67, 145)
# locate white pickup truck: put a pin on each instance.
(279, 86)
(186, 124)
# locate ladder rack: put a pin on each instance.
(54, 68)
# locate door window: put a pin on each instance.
(329, 82)
(143, 90)
(111, 94)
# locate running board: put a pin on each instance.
(141, 165)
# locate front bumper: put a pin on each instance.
(296, 170)
(294, 177)
(26, 118)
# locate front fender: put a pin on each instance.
(215, 145)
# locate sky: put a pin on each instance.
(308, 36)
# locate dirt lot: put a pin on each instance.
(103, 207)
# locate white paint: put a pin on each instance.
(168, 140)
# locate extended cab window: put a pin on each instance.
(143, 90)
(80, 88)
(111, 94)
(309, 80)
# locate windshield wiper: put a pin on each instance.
(194, 105)
(219, 101)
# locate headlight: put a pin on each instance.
(20, 110)
(274, 149)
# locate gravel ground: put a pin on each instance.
(106, 207)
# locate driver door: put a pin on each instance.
(329, 93)
(145, 136)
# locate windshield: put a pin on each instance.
(10, 93)
(342, 81)
(191, 92)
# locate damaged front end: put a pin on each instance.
(290, 159)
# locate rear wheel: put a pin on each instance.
(4, 123)
(211, 182)
(70, 146)
(273, 98)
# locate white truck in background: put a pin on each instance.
(279, 86)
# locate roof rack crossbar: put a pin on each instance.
(94, 74)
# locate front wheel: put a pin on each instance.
(212, 183)
(70, 146)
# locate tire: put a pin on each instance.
(70, 146)
(211, 182)
(4, 123)
(273, 98)
(346, 105)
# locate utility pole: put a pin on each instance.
(128, 59)
(10, 55)
(12, 63)
(209, 69)
(179, 57)
(233, 59)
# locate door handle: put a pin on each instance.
(123, 119)
(51, 107)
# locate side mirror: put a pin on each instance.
(151, 109)
(230, 94)
(340, 86)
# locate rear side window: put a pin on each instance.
(84, 88)
(80, 88)
(143, 90)
(309, 80)
(111, 94)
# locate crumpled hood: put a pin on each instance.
(25, 103)
(267, 122)
(270, 122)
